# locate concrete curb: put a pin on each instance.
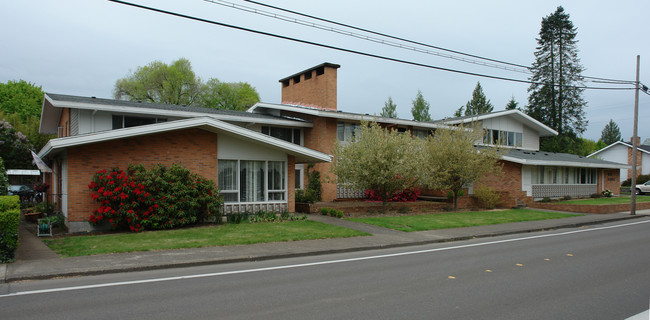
(260, 257)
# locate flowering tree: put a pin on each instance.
(159, 198)
(14, 148)
(378, 159)
(452, 161)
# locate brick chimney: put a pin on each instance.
(314, 87)
(638, 141)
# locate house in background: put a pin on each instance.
(621, 152)
(258, 157)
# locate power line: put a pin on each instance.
(365, 37)
(528, 68)
(347, 50)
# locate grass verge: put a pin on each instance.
(459, 219)
(208, 236)
(612, 200)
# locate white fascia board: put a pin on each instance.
(173, 113)
(541, 128)
(616, 143)
(565, 164)
(222, 126)
(344, 115)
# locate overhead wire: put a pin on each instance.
(527, 68)
(516, 68)
(180, 15)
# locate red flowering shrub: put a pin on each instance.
(159, 198)
(406, 195)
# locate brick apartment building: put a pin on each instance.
(258, 157)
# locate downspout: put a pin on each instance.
(92, 121)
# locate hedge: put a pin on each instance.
(9, 221)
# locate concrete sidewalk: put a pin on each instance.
(35, 261)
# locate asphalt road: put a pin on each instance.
(589, 273)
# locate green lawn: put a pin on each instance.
(221, 235)
(459, 219)
(612, 200)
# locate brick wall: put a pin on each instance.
(611, 181)
(309, 88)
(508, 184)
(195, 149)
(639, 162)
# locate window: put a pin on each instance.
(276, 180)
(505, 138)
(121, 121)
(252, 181)
(563, 175)
(227, 180)
(346, 130)
(420, 133)
(287, 134)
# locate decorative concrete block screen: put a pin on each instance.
(253, 207)
(562, 190)
(343, 192)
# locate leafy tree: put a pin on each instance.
(20, 105)
(14, 148)
(512, 104)
(377, 159)
(611, 133)
(420, 109)
(178, 84)
(389, 110)
(4, 180)
(452, 161)
(555, 96)
(479, 103)
(228, 95)
(160, 83)
(21, 98)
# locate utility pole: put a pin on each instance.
(634, 138)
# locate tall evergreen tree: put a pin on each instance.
(389, 110)
(479, 103)
(512, 104)
(420, 109)
(555, 98)
(611, 133)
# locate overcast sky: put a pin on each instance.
(82, 47)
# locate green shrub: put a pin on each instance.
(325, 211)
(9, 221)
(546, 199)
(595, 195)
(607, 193)
(9, 203)
(639, 180)
(159, 198)
(566, 198)
(487, 197)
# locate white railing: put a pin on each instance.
(562, 190)
(343, 192)
(252, 207)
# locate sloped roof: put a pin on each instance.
(302, 154)
(542, 129)
(54, 102)
(642, 148)
(337, 114)
(542, 158)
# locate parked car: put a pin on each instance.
(23, 191)
(643, 188)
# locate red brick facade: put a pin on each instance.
(195, 149)
(313, 87)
